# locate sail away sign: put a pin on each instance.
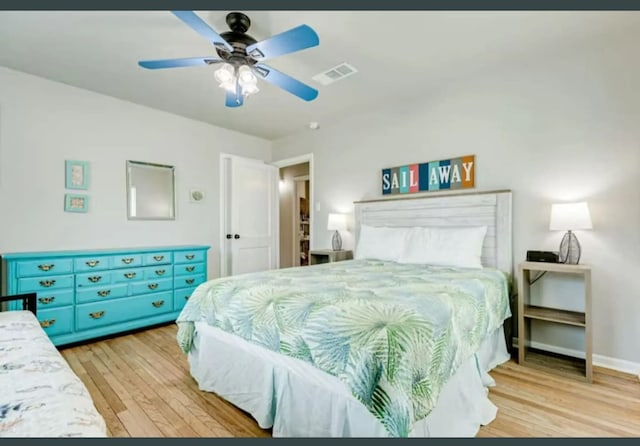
(454, 173)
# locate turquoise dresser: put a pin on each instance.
(88, 294)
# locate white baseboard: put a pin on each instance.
(620, 365)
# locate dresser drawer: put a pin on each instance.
(93, 278)
(92, 294)
(190, 269)
(54, 298)
(128, 275)
(44, 283)
(44, 267)
(157, 258)
(99, 314)
(151, 286)
(56, 321)
(97, 263)
(188, 256)
(126, 260)
(188, 281)
(158, 272)
(180, 297)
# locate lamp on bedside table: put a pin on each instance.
(569, 217)
(337, 223)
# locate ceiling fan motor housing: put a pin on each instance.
(239, 24)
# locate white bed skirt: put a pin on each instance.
(299, 400)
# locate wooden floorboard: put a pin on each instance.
(141, 385)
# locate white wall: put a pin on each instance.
(42, 123)
(548, 128)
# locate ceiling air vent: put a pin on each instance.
(335, 74)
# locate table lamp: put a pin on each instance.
(570, 217)
(337, 223)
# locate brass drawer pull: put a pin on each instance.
(129, 275)
(153, 286)
(158, 258)
(92, 263)
(94, 279)
(46, 267)
(160, 272)
(189, 281)
(158, 303)
(47, 283)
(104, 293)
(190, 268)
(190, 256)
(97, 314)
(46, 300)
(47, 323)
(127, 260)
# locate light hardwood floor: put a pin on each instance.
(141, 385)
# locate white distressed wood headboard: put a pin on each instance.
(491, 209)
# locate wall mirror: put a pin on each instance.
(150, 191)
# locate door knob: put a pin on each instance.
(228, 235)
(236, 236)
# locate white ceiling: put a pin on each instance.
(398, 54)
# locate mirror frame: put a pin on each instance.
(129, 165)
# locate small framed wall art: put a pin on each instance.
(77, 174)
(76, 203)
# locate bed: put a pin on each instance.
(40, 396)
(371, 347)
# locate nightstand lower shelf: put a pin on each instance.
(555, 315)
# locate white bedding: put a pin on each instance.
(299, 400)
(40, 396)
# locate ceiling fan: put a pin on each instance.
(241, 57)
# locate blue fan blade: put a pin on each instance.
(285, 82)
(199, 26)
(295, 39)
(175, 63)
(234, 99)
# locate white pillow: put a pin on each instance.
(447, 246)
(381, 243)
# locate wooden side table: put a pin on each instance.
(317, 256)
(527, 312)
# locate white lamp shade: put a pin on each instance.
(337, 222)
(570, 216)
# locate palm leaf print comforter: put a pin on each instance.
(394, 333)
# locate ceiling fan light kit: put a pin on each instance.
(232, 78)
(241, 57)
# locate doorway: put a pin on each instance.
(295, 196)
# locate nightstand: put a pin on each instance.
(527, 313)
(317, 256)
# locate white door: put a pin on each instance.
(250, 217)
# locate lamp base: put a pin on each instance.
(570, 249)
(336, 241)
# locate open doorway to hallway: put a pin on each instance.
(295, 214)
